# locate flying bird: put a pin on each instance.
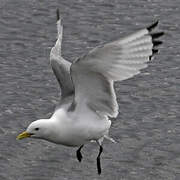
(88, 98)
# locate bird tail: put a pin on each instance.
(106, 136)
(109, 138)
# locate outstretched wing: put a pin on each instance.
(60, 66)
(93, 74)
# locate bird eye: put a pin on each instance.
(36, 129)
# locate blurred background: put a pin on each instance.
(148, 126)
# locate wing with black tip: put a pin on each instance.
(60, 66)
(94, 73)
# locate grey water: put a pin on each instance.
(147, 128)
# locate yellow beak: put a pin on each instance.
(23, 135)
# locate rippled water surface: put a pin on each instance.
(148, 126)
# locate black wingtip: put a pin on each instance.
(57, 14)
(154, 51)
(154, 37)
(150, 58)
(157, 35)
(156, 43)
(152, 26)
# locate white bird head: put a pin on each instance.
(37, 129)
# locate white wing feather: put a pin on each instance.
(93, 74)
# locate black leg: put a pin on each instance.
(99, 160)
(78, 154)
